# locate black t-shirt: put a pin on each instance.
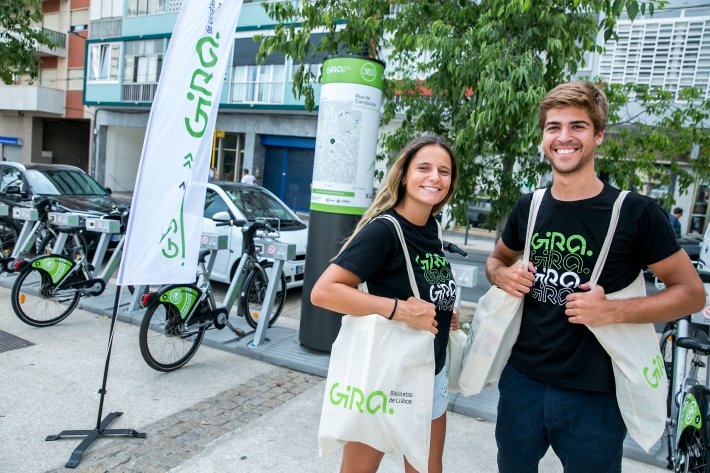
(375, 256)
(566, 239)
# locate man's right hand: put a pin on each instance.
(514, 279)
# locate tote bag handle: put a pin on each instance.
(410, 271)
(532, 216)
(604, 252)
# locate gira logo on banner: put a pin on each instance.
(200, 89)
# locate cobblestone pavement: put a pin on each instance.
(179, 437)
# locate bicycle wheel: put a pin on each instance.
(71, 250)
(165, 343)
(252, 298)
(692, 454)
(36, 301)
(8, 237)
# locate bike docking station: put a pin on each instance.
(107, 227)
(280, 253)
(465, 275)
(5, 258)
(28, 234)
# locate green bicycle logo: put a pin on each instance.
(368, 72)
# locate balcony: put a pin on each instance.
(140, 92)
(60, 39)
(32, 98)
(105, 28)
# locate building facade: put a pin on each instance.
(670, 49)
(45, 120)
(260, 125)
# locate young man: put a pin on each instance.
(675, 220)
(248, 178)
(558, 386)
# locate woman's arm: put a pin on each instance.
(336, 290)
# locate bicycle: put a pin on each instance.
(178, 315)
(48, 288)
(688, 402)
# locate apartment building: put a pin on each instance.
(260, 124)
(45, 120)
(670, 49)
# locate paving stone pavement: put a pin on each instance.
(181, 436)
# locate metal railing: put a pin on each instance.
(59, 39)
(141, 92)
(105, 28)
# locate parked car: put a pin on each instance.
(249, 202)
(477, 212)
(69, 186)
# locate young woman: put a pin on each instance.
(419, 184)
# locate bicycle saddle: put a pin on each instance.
(692, 343)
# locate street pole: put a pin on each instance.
(343, 176)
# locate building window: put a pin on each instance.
(265, 83)
(258, 84)
(671, 54)
(144, 7)
(700, 211)
(103, 62)
(143, 61)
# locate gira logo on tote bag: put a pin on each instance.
(658, 372)
(373, 403)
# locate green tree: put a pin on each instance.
(653, 136)
(19, 38)
(471, 71)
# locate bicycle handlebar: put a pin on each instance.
(452, 248)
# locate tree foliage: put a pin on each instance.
(20, 37)
(652, 137)
(475, 72)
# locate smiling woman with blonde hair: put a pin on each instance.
(419, 184)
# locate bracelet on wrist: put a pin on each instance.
(394, 309)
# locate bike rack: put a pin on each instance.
(108, 228)
(279, 252)
(63, 219)
(28, 234)
(214, 243)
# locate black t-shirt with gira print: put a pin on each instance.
(565, 243)
(375, 256)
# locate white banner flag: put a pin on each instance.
(165, 224)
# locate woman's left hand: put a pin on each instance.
(455, 319)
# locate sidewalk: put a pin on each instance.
(221, 412)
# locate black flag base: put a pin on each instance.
(92, 435)
(100, 430)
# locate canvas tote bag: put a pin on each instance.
(380, 382)
(499, 314)
(639, 372)
(455, 352)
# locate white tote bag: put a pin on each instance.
(379, 389)
(639, 373)
(455, 352)
(499, 314)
